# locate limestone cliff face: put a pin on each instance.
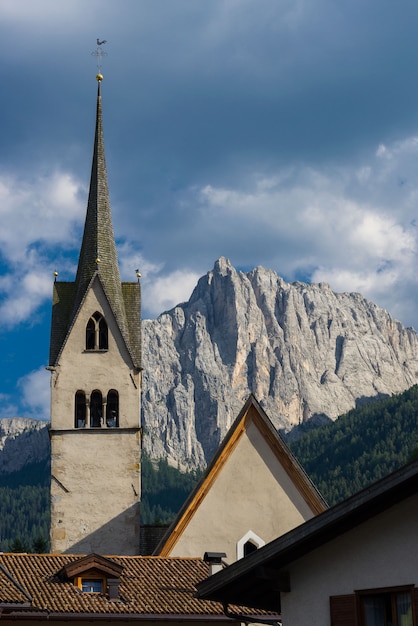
(22, 441)
(303, 350)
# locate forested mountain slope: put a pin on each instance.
(361, 446)
(341, 457)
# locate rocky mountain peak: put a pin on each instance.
(22, 441)
(305, 352)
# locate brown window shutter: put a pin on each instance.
(343, 610)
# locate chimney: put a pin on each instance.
(215, 561)
(113, 588)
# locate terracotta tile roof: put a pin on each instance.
(149, 586)
(10, 590)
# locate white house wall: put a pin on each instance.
(382, 552)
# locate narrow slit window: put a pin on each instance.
(249, 547)
(112, 409)
(80, 410)
(90, 334)
(250, 542)
(97, 337)
(103, 335)
(96, 410)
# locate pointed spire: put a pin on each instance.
(98, 260)
(98, 248)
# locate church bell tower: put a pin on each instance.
(95, 364)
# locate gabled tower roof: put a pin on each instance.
(98, 258)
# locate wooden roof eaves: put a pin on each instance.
(71, 326)
(92, 561)
(198, 494)
(291, 465)
(151, 618)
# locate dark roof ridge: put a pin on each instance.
(15, 582)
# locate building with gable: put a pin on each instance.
(253, 491)
(95, 364)
(356, 564)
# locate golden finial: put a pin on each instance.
(99, 77)
(98, 261)
(138, 275)
(55, 275)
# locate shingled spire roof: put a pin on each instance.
(98, 249)
(98, 258)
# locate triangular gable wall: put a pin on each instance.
(253, 485)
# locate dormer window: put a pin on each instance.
(91, 585)
(96, 333)
(94, 574)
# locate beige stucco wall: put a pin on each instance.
(251, 492)
(94, 507)
(95, 486)
(83, 370)
(382, 552)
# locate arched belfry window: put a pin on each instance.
(96, 409)
(96, 333)
(80, 410)
(112, 409)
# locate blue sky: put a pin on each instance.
(281, 133)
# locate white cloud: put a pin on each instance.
(37, 215)
(130, 260)
(352, 227)
(43, 209)
(24, 295)
(161, 289)
(164, 292)
(35, 391)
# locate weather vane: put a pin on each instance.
(99, 53)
